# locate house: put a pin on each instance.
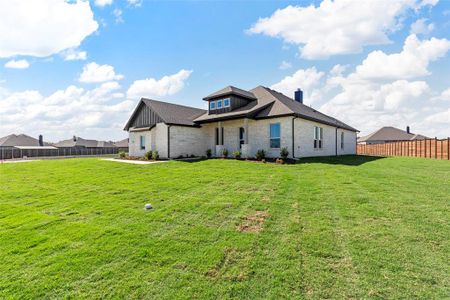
(122, 145)
(78, 142)
(237, 119)
(22, 145)
(390, 134)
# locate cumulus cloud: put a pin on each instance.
(118, 15)
(285, 65)
(421, 27)
(94, 72)
(135, 3)
(151, 87)
(336, 27)
(17, 64)
(97, 113)
(74, 54)
(412, 62)
(102, 3)
(45, 27)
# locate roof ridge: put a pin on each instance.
(170, 103)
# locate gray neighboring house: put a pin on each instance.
(21, 140)
(80, 143)
(237, 119)
(122, 145)
(390, 134)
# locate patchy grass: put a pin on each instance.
(348, 227)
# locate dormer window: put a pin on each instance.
(212, 105)
(219, 104)
(226, 102)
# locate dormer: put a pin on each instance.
(228, 99)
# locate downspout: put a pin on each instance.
(168, 141)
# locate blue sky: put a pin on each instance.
(180, 51)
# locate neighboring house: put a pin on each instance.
(122, 145)
(390, 134)
(21, 140)
(238, 120)
(80, 143)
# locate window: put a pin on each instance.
(226, 102)
(212, 105)
(318, 137)
(275, 135)
(217, 136)
(142, 142)
(241, 136)
(219, 104)
(342, 140)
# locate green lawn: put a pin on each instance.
(349, 227)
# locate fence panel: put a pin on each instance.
(11, 153)
(429, 148)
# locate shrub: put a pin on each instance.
(148, 155)
(284, 153)
(192, 156)
(237, 154)
(122, 154)
(260, 154)
(225, 153)
(155, 155)
(208, 153)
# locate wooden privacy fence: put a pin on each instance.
(21, 153)
(429, 148)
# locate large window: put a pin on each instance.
(212, 105)
(226, 102)
(318, 137)
(219, 104)
(219, 142)
(241, 136)
(342, 140)
(142, 142)
(275, 140)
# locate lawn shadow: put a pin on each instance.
(348, 160)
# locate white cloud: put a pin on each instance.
(74, 54)
(336, 27)
(135, 3)
(17, 64)
(98, 113)
(118, 15)
(285, 65)
(306, 80)
(151, 87)
(94, 72)
(103, 3)
(412, 62)
(421, 27)
(45, 27)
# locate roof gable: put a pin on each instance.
(231, 90)
(389, 133)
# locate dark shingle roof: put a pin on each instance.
(122, 144)
(19, 140)
(231, 90)
(80, 142)
(270, 103)
(390, 133)
(174, 113)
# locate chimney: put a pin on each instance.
(298, 95)
(74, 138)
(41, 141)
(407, 129)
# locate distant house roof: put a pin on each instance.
(13, 140)
(270, 103)
(80, 142)
(122, 144)
(169, 113)
(231, 90)
(389, 133)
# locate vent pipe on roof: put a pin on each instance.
(41, 140)
(74, 138)
(298, 95)
(407, 129)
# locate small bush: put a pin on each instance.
(155, 155)
(284, 153)
(237, 154)
(225, 153)
(208, 153)
(122, 154)
(148, 155)
(260, 154)
(192, 156)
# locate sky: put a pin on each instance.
(80, 67)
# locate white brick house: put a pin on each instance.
(238, 120)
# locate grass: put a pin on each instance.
(348, 227)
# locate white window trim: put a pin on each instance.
(318, 136)
(274, 137)
(215, 106)
(229, 102)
